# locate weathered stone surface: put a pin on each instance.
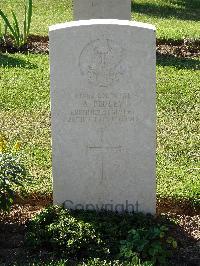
(102, 9)
(103, 114)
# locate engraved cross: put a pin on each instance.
(103, 148)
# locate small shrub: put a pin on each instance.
(150, 244)
(114, 227)
(97, 238)
(12, 174)
(56, 229)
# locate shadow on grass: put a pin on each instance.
(188, 3)
(12, 62)
(163, 11)
(179, 63)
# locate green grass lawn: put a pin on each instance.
(24, 115)
(174, 19)
(178, 102)
(24, 112)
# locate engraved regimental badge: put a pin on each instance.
(102, 62)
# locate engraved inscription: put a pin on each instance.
(101, 108)
(101, 62)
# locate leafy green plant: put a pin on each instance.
(150, 244)
(12, 174)
(94, 238)
(56, 229)
(19, 37)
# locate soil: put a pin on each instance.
(186, 229)
(181, 49)
(186, 48)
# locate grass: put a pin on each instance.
(174, 19)
(24, 115)
(177, 128)
(24, 112)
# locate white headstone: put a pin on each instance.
(103, 115)
(102, 9)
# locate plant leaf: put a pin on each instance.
(30, 10)
(16, 24)
(25, 21)
(4, 17)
